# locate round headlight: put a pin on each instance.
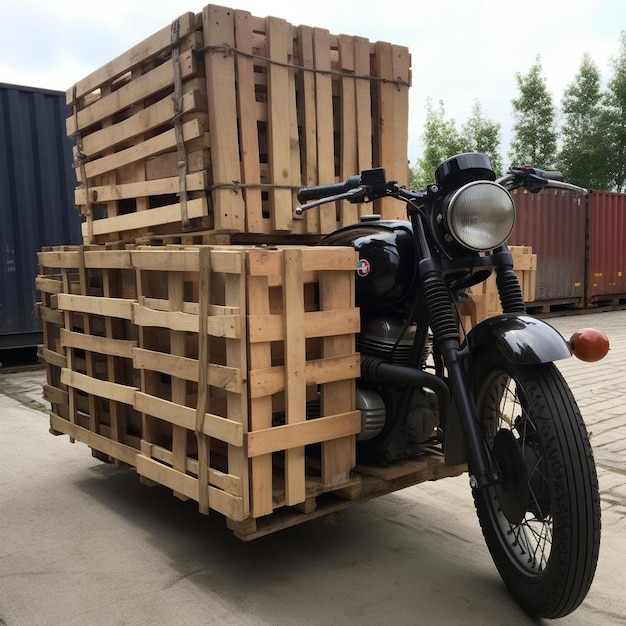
(480, 215)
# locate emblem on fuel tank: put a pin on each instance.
(363, 267)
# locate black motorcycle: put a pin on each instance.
(493, 397)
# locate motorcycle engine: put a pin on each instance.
(382, 438)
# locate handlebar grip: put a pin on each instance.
(550, 175)
(545, 174)
(326, 191)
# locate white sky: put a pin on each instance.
(461, 49)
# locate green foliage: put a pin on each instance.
(442, 140)
(615, 119)
(479, 134)
(583, 158)
(535, 135)
(592, 137)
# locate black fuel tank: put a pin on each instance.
(387, 263)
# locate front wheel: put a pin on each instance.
(542, 522)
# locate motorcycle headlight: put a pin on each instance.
(480, 215)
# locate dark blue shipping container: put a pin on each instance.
(36, 201)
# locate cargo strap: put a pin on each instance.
(79, 163)
(202, 407)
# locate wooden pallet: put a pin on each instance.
(126, 332)
(215, 122)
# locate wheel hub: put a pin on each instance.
(513, 492)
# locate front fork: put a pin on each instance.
(447, 340)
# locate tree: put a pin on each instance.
(616, 119)
(534, 139)
(441, 141)
(583, 158)
(479, 134)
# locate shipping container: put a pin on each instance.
(552, 223)
(36, 201)
(607, 248)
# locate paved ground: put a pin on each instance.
(84, 543)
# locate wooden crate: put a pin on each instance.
(127, 333)
(485, 298)
(216, 121)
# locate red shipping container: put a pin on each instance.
(607, 247)
(552, 222)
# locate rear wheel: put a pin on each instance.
(542, 523)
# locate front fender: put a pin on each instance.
(520, 338)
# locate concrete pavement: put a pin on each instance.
(85, 543)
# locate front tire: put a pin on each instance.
(542, 523)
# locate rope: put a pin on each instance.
(229, 50)
(236, 186)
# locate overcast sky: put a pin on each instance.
(461, 50)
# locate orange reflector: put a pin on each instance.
(589, 344)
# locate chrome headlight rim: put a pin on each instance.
(493, 234)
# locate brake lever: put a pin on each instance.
(348, 195)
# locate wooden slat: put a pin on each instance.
(269, 381)
(162, 186)
(246, 102)
(222, 376)
(101, 345)
(112, 307)
(227, 482)
(59, 258)
(48, 285)
(260, 357)
(218, 27)
(107, 259)
(96, 387)
(52, 357)
(316, 324)
(229, 505)
(149, 47)
(114, 449)
(214, 426)
(218, 326)
(325, 131)
(142, 87)
(308, 119)
(268, 262)
(291, 436)
(160, 260)
(145, 120)
(363, 106)
(349, 155)
(160, 143)
(145, 219)
(295, 380)
(279, 150)
(339, 455)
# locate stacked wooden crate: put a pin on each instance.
(215, 122)
(197, 365)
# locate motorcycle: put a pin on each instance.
(493, 396)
